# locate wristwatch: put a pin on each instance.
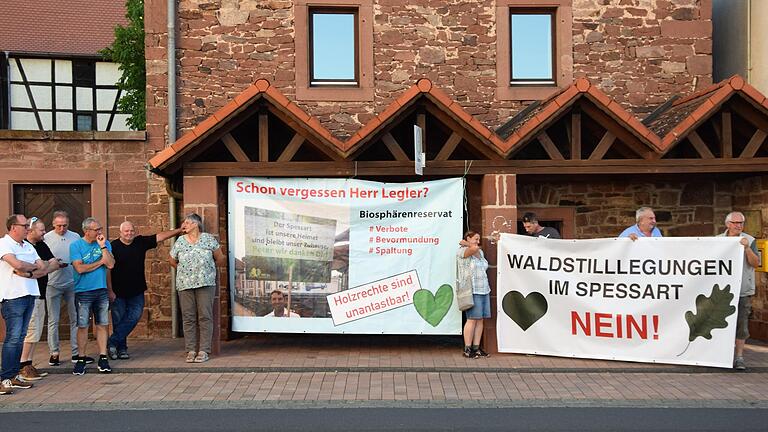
(30, 273)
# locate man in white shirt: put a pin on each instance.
(277, 298)
(19, 266)
(61, 286)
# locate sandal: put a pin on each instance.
(190, 357)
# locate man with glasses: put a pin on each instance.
(92, 258)
(61, 286)
(734, 224)
(19, 264)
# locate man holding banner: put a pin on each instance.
(645, 226)
(734, 224)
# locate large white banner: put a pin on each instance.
(666, 300)
(344, 256)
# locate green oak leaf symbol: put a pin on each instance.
(524, 311)
(433, 308)
(712, 312)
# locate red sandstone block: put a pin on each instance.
(686, 29)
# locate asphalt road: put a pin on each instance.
(394, 419)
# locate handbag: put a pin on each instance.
(464, 296)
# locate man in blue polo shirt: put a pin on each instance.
(645, 226)
(91, 257)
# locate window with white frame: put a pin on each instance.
(62, 95)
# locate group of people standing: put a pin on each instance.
(470, 256)
(94, 276)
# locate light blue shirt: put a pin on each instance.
(89, 253)
(634, 229)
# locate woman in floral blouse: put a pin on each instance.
(195, 256)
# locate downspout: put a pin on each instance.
(172, 139)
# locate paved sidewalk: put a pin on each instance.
(301, 371)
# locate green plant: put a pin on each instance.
(128, 51)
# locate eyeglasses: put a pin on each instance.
(21, 225)
(94, 229)
(32, 222)
(736, 222)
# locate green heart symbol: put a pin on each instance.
(524, 310)
(433, 307)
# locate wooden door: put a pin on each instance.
(41, 200)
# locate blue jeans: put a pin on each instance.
(16, 313)
(96, 301)
(53, 297)
(126, 313)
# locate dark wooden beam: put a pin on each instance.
(309, 135)
(549, 146)
(630, 140)
(750, 113)
(394, 147)
(457, 167)
(726, 138)
(449, 147)
(290, 150)
(481, 145)
(753, 145)
(234, 147)
(699, 145)
(575, 135)
(602, 147)
(263, 137)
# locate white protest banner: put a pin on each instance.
(354, 256)
(666, 300)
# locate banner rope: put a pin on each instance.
(467, 166)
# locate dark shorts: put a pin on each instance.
(742, 321)
(97, 301)
(482, 307)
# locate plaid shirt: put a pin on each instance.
(479, 267)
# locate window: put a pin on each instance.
(534, 48)
(62, 95)
(333, 46)
(334, 50)
(531, 50)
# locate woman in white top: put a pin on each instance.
(470, 255)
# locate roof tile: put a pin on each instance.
(247, 94)
(277, 97)
(226, 110)
(753, 93)
(184, 141)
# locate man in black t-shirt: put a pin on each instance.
(533, 229)
(126, 284)
(35, 233)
